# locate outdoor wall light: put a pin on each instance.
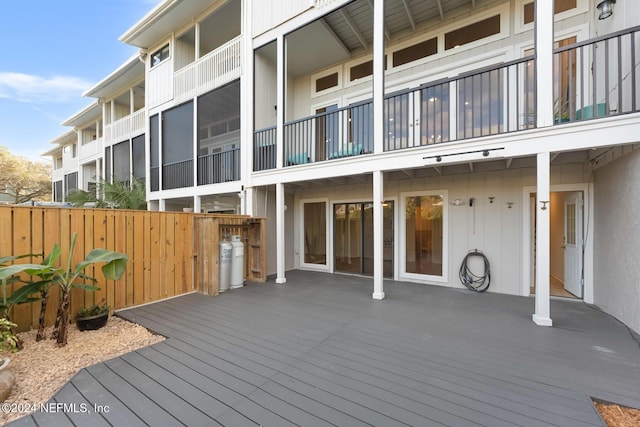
(458, 202)
(606, 9)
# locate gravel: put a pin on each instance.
(42, 368)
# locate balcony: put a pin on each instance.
(592, 79)
(125, 128)
(219, 167)
(215, 69)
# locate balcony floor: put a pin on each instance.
(320, 351)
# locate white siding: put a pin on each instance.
(160, 84)
(493, 228)
(617, 239)
(270, 13)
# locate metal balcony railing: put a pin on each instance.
(177, 175)
(219, 167)
(264, 149)
(591, 79)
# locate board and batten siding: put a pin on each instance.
(269, 14)
(494, 228)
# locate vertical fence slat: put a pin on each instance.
(162, 249)
(76, 221)
(21, 245)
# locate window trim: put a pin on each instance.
(333, 70)
(166, 45)
(582, 7)
(402, 238)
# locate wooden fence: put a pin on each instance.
(167, 252)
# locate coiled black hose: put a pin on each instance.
(471, 280)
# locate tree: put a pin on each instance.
(22, 179)
(117, 195)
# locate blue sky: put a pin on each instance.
(52, 51)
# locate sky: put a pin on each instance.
(53, 51)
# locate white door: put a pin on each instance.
(573, 243)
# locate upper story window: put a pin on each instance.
(326, 82)
(57, 164)
(415, 52)
(70, 149)
(160, 55)
(472, 32)
(560, 6)
(361, 70)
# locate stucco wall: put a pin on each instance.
(617, 239)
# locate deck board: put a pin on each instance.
(320, 351)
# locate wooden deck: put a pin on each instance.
(320, 351)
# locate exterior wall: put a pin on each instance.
(617, 239)
(270, 13)
(507, 46)
(493, 228)
(265, 206)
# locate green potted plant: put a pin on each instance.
(66, 276)
(93, 317)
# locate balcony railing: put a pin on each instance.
(264, 149)
(177, 175)
(598, 77)
(215, 69)
(125, 128)
(219, 167)
(591, 79)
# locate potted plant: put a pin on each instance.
(92, 318)
(53, 272)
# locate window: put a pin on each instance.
(470, 33)
(71, 182)
(154, 151)
(315, 233)
(424, 234)
(177, 147)
(121, 161)
(434, 111)
(218, 135)
(137, 152)
(361, 70)
(57, 191)
(326, 82)
(58, 163)
(107, 164)
(415, 52)
(159, 55)
(560, 6)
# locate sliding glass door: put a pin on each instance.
(353, 238)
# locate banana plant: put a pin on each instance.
(52, 273)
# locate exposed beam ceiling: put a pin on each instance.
(409, 15)
(354, 28)
(441, 11)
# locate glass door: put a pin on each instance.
(353, 238)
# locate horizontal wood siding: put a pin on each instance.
(162, 247)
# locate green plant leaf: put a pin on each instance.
(21, 295)
(53, 256)
(115, 262)
(31, 269)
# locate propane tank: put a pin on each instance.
(237, 263)
(226, 250)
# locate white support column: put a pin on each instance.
(196, 46)
(544, 62)
(247, 99)
(542, 314)
(132, 100)
(162, 205)
(378, 235)
(280, 230)
(195, 143)
(378, 76)
(280, 89)
(197, 204)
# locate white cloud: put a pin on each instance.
(35, 89)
